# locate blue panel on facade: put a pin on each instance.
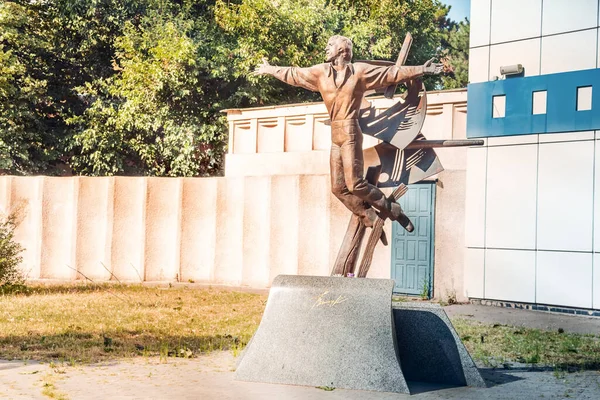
(561, 106)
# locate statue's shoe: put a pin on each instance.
(398, 215)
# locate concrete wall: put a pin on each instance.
(293, 139)
(236, 231)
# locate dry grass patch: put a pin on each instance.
(90, 323)
(496, 345)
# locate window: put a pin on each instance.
(539, 102)
(498, 106)
(584, 98)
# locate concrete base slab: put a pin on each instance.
(326, 331)
(429, 348)
(344, 333)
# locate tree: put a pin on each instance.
(157, 114)
(10, 251)
(293, 32)
(456, 57)
(135, 87)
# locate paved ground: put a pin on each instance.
(526, 318)
(211, 376)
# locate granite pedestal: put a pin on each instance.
(429, 348)
(340, 332)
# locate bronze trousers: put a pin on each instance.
(347, 171)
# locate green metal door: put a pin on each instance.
(412, 253)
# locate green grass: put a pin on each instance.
(84, 323)
(495, 345)
(90, 323)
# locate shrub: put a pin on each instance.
(10, 251)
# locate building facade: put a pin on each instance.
(533, 195)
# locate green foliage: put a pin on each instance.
(456, 57)
(152, 117)
(10, 252)
(135, 87)
(294, 32)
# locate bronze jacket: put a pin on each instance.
(343, 91)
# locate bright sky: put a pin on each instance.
(460, 9)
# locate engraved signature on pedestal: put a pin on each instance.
(322, 300)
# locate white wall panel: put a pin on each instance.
(516, 20)
(596, 281)
(597, 197)
(479, 59)
(525, 52)
(480, 23)
(474, 267)
(565, 190)
(510, 220)
(510, 275)
(475, 197)
(569, 52)
(566, 136)
(564, 278)
(512, 140)
(567, 15)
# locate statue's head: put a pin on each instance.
(338, 45)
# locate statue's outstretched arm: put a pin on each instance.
(376, 76)
(306, 78)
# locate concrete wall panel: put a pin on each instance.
(129, 214)
(474, 272)
(199, 221)
(596, 282)
(244, 136)
(479, 64)
(295, 163)
(564, 278)
(569, 52)
(566, 137)
(565, 196)
(271, 135)
(596, 227)
(230, 231)
(257, 230)
(26, 196)
(313, 250)
(449, 235)
(510, 275)
(475, 197)
(510, 201)
(59, 236)
(298, 134)
(515, 20)
(480, 23)
(561, 16)
(285, 193)
(94, 228)
(163, 214)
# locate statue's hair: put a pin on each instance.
(347, 46)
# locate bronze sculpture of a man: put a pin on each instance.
(342, 85)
